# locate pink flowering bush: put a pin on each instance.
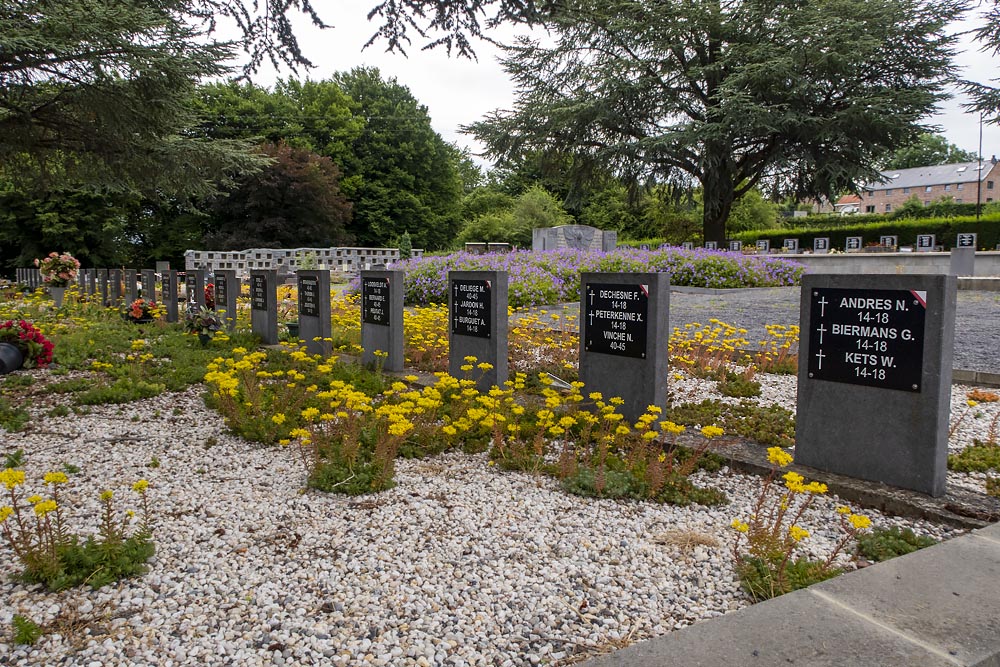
(58, 270)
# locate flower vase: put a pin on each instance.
(293, 330)
(11, 358)
(57, 295)
(204, 338)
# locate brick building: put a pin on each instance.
(958, 181)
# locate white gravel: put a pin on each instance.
(459, 564)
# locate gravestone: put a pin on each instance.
(874, 385)
(382, 295)
(227, 288)
(101, 283)
(131, 285)
(169, 294)
(89, 281)
(115, 282)
(576, 237)
(476, 248)
(644, 246)
(314, 311)
(821, 245)
(962, 262)
(888, 241)
(498, 247)
(688, 245)
(966, 240)
(790, 245)
(925, 242)
(711, 245)
(477, 314)
(149, 284)
(264, 305)
(763, 245)
(852, 243)
(736, 246)
(624, 327)
(194, 285)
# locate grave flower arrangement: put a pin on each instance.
(58, 270)
(36, 348)
(210, 296)
(140, 310)
(202, 321)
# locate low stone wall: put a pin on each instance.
(987, 263)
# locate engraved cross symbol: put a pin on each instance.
(820, 355)
(822, 306)
(822, 329)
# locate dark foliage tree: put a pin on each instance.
(293, 202)
(729, 95)
(403, 177)
(929, 149)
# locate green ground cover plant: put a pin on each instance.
(884, 543)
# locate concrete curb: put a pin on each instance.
(937, 606)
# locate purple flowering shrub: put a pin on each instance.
(540, 278)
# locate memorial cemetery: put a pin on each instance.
(513, 423)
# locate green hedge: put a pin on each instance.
(945, 229)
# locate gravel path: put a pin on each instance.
(459, 564)
(977, 320)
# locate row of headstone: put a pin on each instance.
(821, 245)
(875, 354)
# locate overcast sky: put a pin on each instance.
(458, 91)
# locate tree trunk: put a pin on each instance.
(718, 190)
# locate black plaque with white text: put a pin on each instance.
(258, 292)
(309, 296)
(966, 240)
(470, 314)
(614, 319)
(867, 337)
(375, 301)
(192, 284)
(221, 292)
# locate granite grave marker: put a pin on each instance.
(314, 311)
(477, 314)
(874, 385)
(623, 341)
(382, 318)
(264, 305)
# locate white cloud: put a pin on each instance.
(458, 91)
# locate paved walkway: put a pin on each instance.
(937, 607)
(977, 320)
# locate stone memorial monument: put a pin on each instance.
(477, 315)
(227, 288)
(624, 327)
(264, 305)
(874, 384)
(314, 311)
(194, 284)
(577, 237)
(169, 294)
(382, 294)
(131, 285)
(148, 277)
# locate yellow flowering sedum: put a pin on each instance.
(11, 477)
(44, 507)
(860, 522)
(740, 526)
(797, 533)
(711, 431)
(779, 457)
(5, 512)
(140, 486)
(55, 478)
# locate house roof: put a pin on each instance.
(918, 177)
(847, 200)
